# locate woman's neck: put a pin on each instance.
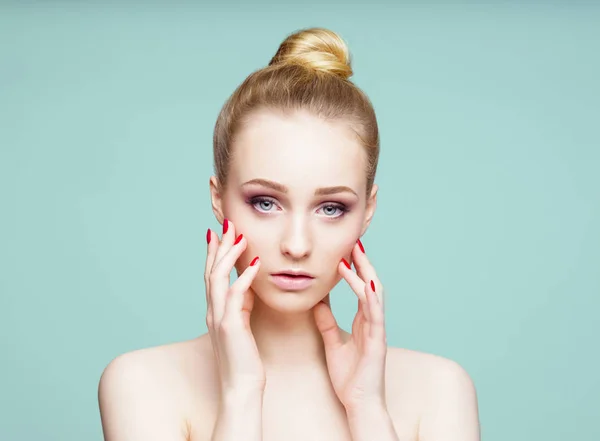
(287, 342)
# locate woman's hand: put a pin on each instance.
(228, 313)
(357, 367)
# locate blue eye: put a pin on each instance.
(265, 205)
(330, 210)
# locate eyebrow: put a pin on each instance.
(324, 191)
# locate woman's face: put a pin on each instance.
(296, 190)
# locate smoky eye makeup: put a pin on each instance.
(266, 204)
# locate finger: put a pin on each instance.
(212, 243)
(355, 282)
(247, 307)
(219, 278)
(328, 327)
(237, 301)
(365, 307)
(364, 268)
(357, 285)
(358, 322)
(376, 320)
(227, 240)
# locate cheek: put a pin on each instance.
(335, 247)
(259, 241)
(339, 244)
(256, 245)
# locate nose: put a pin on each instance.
(296, 242)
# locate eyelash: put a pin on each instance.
(258, 199)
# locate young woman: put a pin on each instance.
(296, 149)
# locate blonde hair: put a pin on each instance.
(309, 72)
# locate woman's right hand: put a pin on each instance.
(228, 313)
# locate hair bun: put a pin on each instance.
(316, 48)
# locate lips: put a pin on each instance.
(292, 281)
(294, 275)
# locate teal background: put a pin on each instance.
(486, 235)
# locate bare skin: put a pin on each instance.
(172, 389)
(172, 392)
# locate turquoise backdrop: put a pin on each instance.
(486, 238)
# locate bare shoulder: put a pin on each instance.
(440, 388)
(426, 366)
(149, 393)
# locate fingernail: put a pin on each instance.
(360, 245)
(346, 263)
(225, 226)
(372, 286)
(254, 261)
(208, 236)
(239, 238)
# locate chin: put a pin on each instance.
(286, 301)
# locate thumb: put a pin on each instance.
(327, 326)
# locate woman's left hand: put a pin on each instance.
(357, 367)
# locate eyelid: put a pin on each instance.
(256, 199)
(338, 205)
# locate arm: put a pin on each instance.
(371, 423)
(135, 405)
(242, 377)
(240, 416)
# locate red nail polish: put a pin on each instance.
(208, 236)
(254, 261)
(239, 238)
(372, 286)
(360, 245)
(225, 226)
(346, 263)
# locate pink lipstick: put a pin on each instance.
(292, 280)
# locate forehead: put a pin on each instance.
(300, 151)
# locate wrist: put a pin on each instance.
(240, 414)
(367, 411)
(241, 393)
(372, 421)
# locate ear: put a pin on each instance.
(370, 211)
(216, 199)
